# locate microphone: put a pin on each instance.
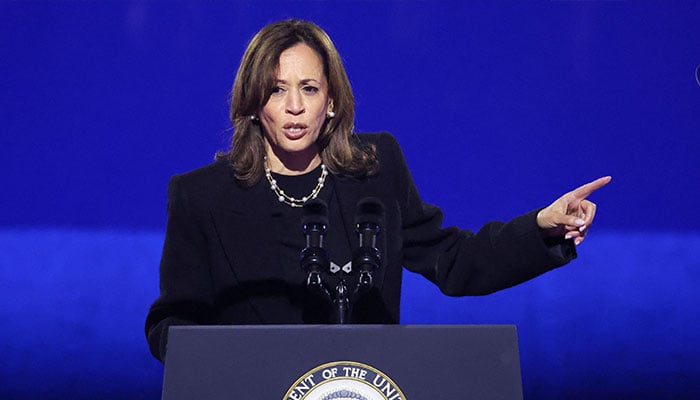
(314, 258)
(368, 221)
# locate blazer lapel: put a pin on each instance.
(243, 222)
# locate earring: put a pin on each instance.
(331, 114)
(253, 118)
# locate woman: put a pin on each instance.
(233, 237)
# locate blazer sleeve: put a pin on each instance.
(185, 282)
(461, 262)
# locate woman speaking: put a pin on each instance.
(233, 239)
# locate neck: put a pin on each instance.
(297, 163)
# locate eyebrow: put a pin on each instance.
(303, 81)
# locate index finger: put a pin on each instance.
(584, 191)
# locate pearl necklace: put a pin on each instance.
(284, 198)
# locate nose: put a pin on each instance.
(294, 103)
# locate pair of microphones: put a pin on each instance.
(366, 258)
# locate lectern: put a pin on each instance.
(389, 362)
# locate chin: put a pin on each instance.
(297, 146)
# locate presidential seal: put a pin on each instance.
(344, 380)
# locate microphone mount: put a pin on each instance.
(366, 258)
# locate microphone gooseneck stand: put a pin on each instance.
(366, 258)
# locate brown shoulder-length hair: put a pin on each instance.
(341, 152)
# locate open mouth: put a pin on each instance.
(294, 130)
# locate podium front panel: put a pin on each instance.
(426, 362)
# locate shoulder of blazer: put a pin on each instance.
(212, 173)
(206, 185)
(388, 149)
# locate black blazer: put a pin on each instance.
(214, 269)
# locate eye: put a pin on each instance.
(310, 89)
(277, 90)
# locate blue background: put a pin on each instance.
(500, 106)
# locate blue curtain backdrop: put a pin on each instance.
(500, 107)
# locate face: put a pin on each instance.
(295, 113)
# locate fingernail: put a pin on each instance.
(583, 228)
(579, 222)
(568, 236)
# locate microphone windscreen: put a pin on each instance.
(315, 211)
(369, 210)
